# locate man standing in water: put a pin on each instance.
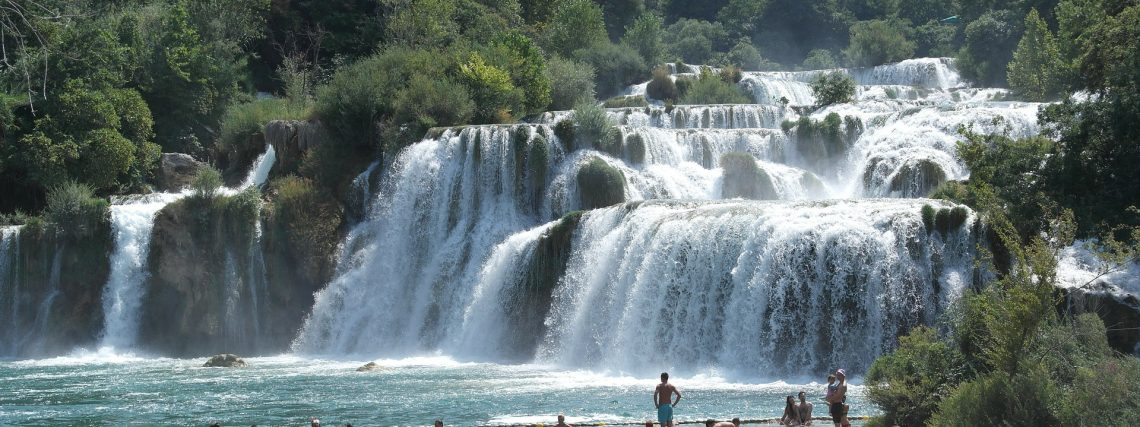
(663, 399)
(804, 409)
(835, 400)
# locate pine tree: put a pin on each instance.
(1036, 71)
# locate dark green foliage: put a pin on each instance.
(709, 88)
(942, 221)
(572, 82)
(617, 66)
(748, 57)
(592, 127)
(600, 185)
(988, 398)
(695, 40)
(731, 74)
(820, 59)
(1036, 71)
(645, 36)
(707, 10)
(958, 215)
(612, 142)
(934, 39)
(833, 88)
(355, 99)
(878, 42)
(908, 384)
(742, 17)
(576, 24)
(240, 137)
(207, 183)
(635, 147)
(661, 85)
(743, 178)
(626, 102)
(75, 212)
(928, 217)
(524, 61)
(428, 102)
(990, 41)
(620, 15)
(496, 97)
(564, 130)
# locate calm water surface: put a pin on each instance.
(286, 390)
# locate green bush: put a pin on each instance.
(310, 219)
(747, 56)
(990, 42)
(934, 39)
(661, 85)
(239, 137)
(1036, 71)
(497, 99)
(617, 66)
(600, 185)
(878, 42)
(645, 36)
(577, 24)
(429, 102)
(710, 89)
(928, 213)
(564, 130)
(591, 126)
(908, 383)
(833, 88)
(820, 59)
(626, 102)
(695, 40)
(731, 74)
(572, 82)
(75, 211)
(1026, 398)
(207, 182)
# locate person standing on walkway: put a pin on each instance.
(663, 400)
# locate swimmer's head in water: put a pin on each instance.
(736, 422)
(438, 423)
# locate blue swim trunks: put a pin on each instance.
(664, 414)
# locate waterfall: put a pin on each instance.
(122, 296)
(10, 292)
(132, 220)
(458, 252)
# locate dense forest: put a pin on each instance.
(95, 91)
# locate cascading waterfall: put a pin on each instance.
(10, 292)
(132, 221)
(453, 252)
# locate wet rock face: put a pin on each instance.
(176, 171)
(292, 139)
(1116, 310)
(369, 367)
(225, 361)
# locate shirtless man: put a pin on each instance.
(663, 400)
(804, 409)
(562, 421)
(735, 423)
(836, 399)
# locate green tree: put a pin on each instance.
(695, 40)
(528, 70)
(747, 56)
(572, 82)
(741, 17)
(496, 98)
(1036, 71)
(645, 35)
(616, 66)
(990, 42)
(820, 59)
(577, 24)
(833, 88)
(909, 382)
(620, 14)
(878, 42)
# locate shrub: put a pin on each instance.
(833, 88)
(1036, 71)
(495, 95)
(820, 59)
(695, 40)
(310, 219)
(238, 143)
(617, 66)
(1026, 398)
(626, 102)
(564, 130)
(928, 217)
(428, 102)
(661, 85)
(206, 182)
(710, 89)
(990, 42)
(878, 42)
(600, 184)
(357, 96)
(74, 210)
(907, 382)
(731, 74)
(572, 82)
(591, 125)
(746, 55)
(644, 35)
(577, 24)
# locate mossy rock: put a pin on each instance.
(743, 178)
(600, 185)
(225, 361)
(917, 179)
(564, 130)
(611, 142)
(927, 213)
(635, 148)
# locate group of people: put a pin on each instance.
(799, 414)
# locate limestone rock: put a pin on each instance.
(369, 367)
(176, 171)
(225, 361)
(291, 139)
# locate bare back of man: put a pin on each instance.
(663, 400)
(664, 394)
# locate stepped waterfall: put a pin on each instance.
(474, 245)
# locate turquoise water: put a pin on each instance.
(286, 390)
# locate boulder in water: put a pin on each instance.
(176, 171)
(225, 361)
(369, 367)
